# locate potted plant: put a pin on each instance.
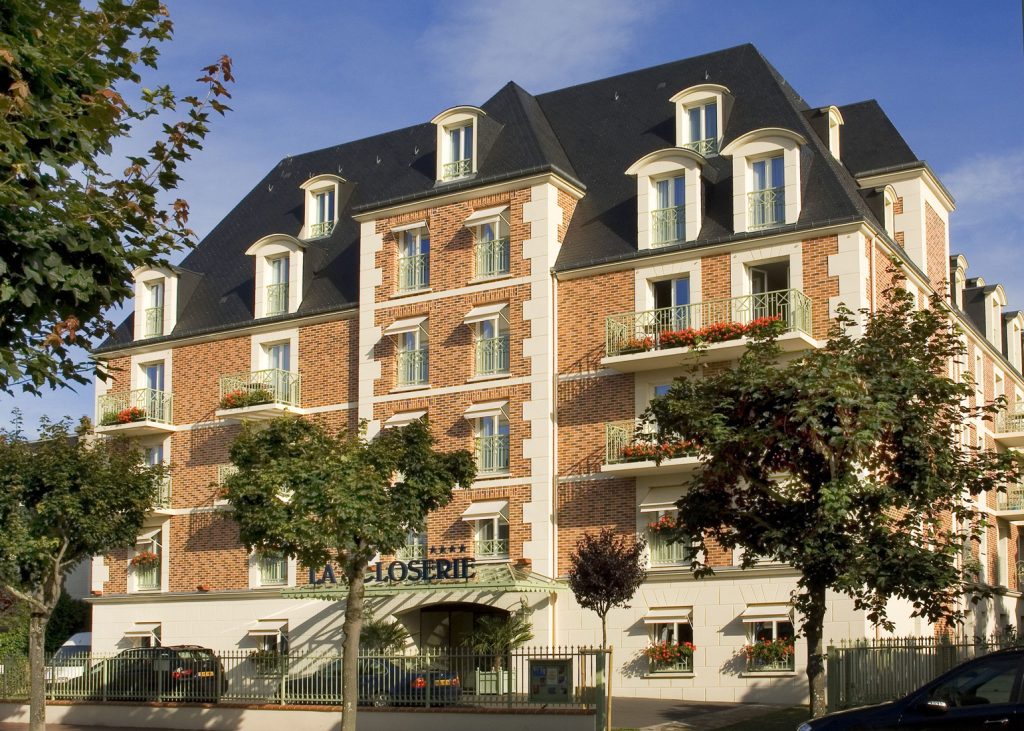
(664, 524)
(145, 560)
(268, 663)
(495, 638)
(666, 655)
(240, 398)
(769, 655)
(124, 416)
(636, 345)
(382, 637)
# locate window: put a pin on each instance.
(702, 128)
(490, 539)
(154, 456)
(323, 213)
(273, 569)
(664, 553)
(767, 197)
(672, 303)
(415, 546)
(889, 202)
(278, 378)
(491, 249)
(668, 219)
(492, 444)
(769, 290)
(154, 309)
(413, 260)
(772, 640)
(412, 358)
(156, 404)
(491, 345)
(145, 566)
(987, 682)
(458, 152)
(672, 633)
(277, 290)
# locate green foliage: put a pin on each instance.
(380, 635)
(499, 635)
(63, 499)
(71, 230)
(69, 617)
(605, 571)
(14, 630)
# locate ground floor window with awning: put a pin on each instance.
(770, 634)
(671, 628)
(144, 634)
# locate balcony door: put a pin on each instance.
(154, 402)
(768, 288)
(279, 360)
(672, 304)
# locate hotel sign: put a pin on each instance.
(417, 569)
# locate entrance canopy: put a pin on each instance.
(496, 578)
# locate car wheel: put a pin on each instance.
(381, 700)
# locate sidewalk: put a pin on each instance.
(674, 715)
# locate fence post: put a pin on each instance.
(103, 679)
(831, 678)
(600, 718)
(283, 674)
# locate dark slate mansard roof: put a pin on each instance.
(588, 134)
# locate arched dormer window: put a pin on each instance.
(835, 121)
(766, 178)
(889, 210)
(278, 259)
(668, 197)
(321, 206)
(156, 301)
(457, 142)
(700, 117)
(996, 301)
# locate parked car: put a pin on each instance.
(984, 693)
(179, 673)
(70, 659)
(382, 682)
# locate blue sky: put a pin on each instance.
(950, 74)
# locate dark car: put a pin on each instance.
(984, 693)
(173, 673)
(382, 682)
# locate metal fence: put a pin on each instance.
(861, 672)
(559, 677)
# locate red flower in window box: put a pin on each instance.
(145, 559)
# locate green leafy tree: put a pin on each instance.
(846, 464)
(496, 636)
(605, 571)
(322, 497)
(380, 635)
(63, 499)
(72, 230)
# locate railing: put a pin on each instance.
(412, 367)
(1012, 499)
(492, 454)
(664, 553)
(154, 322)
(1011, 420)
(492, 355)
(252, 388)
(148, 578)
(634, 332)
(277, 299)
(163, 496)
(860, 672)
(707, 146)
(766, 207)
(776, 666)
(273, 570)
(411, 551)
(556, 677)
(457, 169)
(224, 471)
(682, 665)
(622, 443)
(319, 230)
(491, 548)
(413, 272)
(667, 225)
(492, 257)
(141, 404)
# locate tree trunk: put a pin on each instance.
(604, 632)
(350, 649)
(814, 629)
(37, 670)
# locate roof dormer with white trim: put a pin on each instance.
(766, 178)
(701, 113)
(278, 261)
(156, 301)
(457, 142)
(669, 206)
(321, 204)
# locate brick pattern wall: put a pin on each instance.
(197, 387)
(715, 277)
(584, 407)
(120, 376)
(583, 305)
(817, 284)
(329, 363)
(205, 550)
(936, 251)
(588, 506)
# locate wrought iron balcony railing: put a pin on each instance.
(273, 570)
(664, 553)
(154, 322)
(412, 367)
(668, 225)
(413, 272)
(1011, 420)
(141, 404)
(319, 230)
(411, 551)
(457, 169)
(492, 548)
(766, 208)
(492, 258)
(147, 578)
(277, 299)
(492, 454)
(252, 388)
(163, 495)
(492, 356)
(671, 327)
(706, 147)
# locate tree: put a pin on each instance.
(846, 464)
(380, 635)
(496, 636)
(325, 497)
(605, 571)
(72, 231)
(63, 499)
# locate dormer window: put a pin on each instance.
(766, 178)
(835, 122)
(278, 274)
(154, 309)
(457, 142)
(889, 203)
(156, 298)
(700, 112)
(669, 209)
(668, 219)
(767, 198)
(277, 290)
(322, 193)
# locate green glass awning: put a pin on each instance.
(498, 578)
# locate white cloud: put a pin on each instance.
(988, 225)
(539, 44)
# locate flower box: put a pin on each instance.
(670, 656)
(145, 560)
(648, 451)
(770, 655)
(664, 525)
(124, 416)
(242, 398)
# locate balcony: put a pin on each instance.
(629, 455)
(492, 454)
(492, 548)
(412, 367)
(154, 322)
(664, 553)
(720, 329)
(706, 147)
(1009, 426)
(1010, 504)
(319, 230)
(492, 259)
(492, 356)
(668, 226)
(411, 551)
(136, 413)
(147, 578)
(273, 570)
(457, 169)
(766, 208)
(413, 272)
(277, 299)
(259, 395)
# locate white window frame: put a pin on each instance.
(889, 211)
(411, 341)
(660, 165)
(412, 238)
(264, 252)
(700, 96)
(497, 422)
(144, 278)
(312, 227)
(756, 145)
(256, 571)
(500, 329)
(448, 121)
(158, 535)
(835, 124)
(496, 523)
